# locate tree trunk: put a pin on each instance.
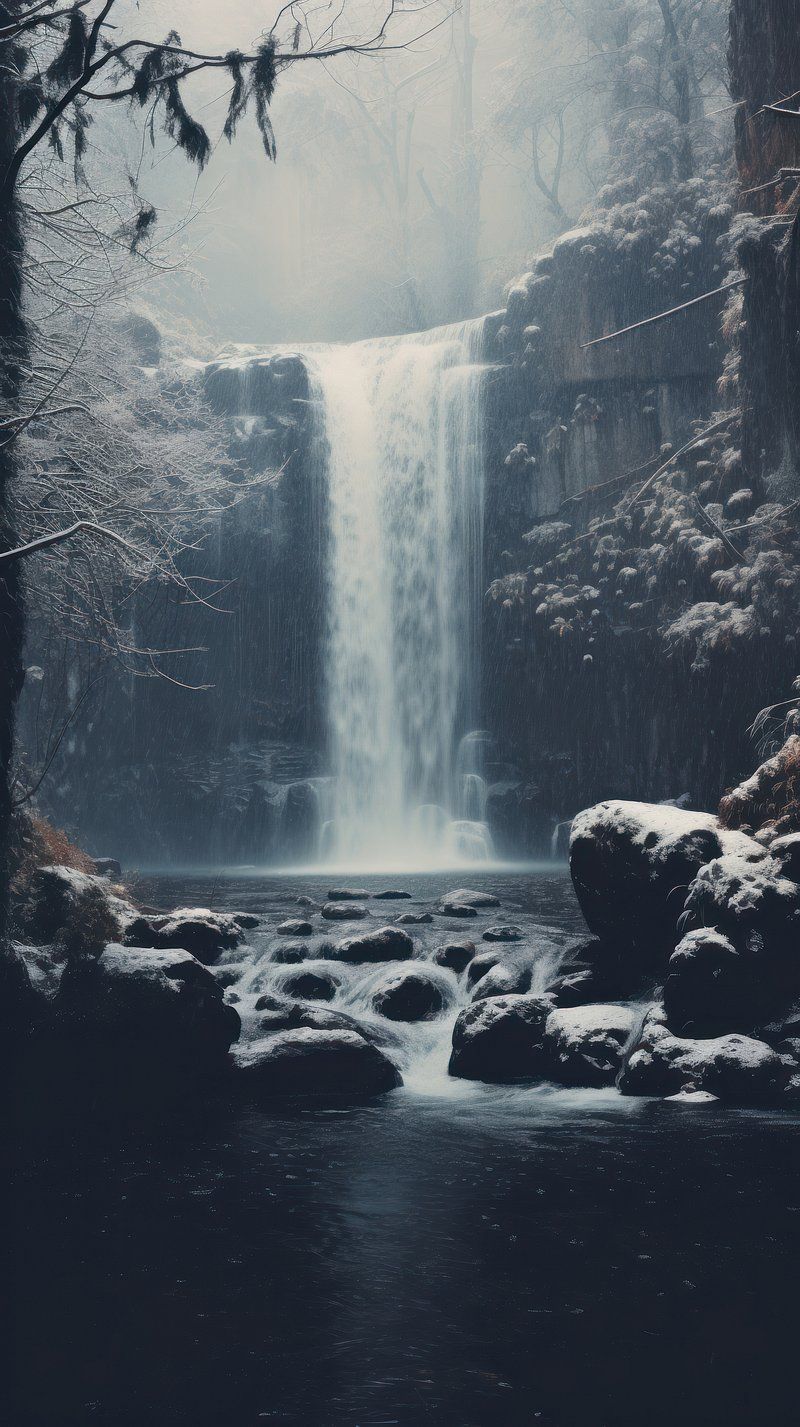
(765, 68)
(12, 346)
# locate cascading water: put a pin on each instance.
(401, 422)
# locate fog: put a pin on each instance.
(388, 208)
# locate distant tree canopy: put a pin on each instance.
(621, 91)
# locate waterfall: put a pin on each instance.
(400, 421)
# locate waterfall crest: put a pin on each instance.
(402, 427)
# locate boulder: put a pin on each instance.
(481, 964)
(311, 985)
(204, 933)
(392, 895)
(455, 955)
(502, 934)
(511, 977)
(409, 996)
(414, 919)
(289, 953)
(711, 988)
(456, 909)
(246, 920)
(469, 898)
(344, 912)
(632, 862)
(278, 1013)
(385, 944)
(321, 1064)
(756, 908)
(348, 894)
(501, 1040)
(294, 928)
(736, 1068)
(584, 1044)
(146, 1006)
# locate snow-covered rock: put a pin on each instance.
(711, 988)
(510, 977)
(736, 1068)
(455, 955)
(583, 1045)
(344, 912)
(148, 1007)
(409, 996)
(472, 899)
(206, 934)
(384, 944)
(501, 1039)
(631, 864)
(322, 1064)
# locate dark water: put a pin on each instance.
(509, 1257)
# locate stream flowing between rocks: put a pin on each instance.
(452, 1253)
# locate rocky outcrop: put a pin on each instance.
(736, 1068)
(632, 864)
(326, 1065)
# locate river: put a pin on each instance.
(452, 1254)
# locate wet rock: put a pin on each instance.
(344, 912)
(409, 996)
(469, 898)
(584, 1044)
(631, 864)
(392, 895)
(226, 976)
(204, 933)
(327, 1065)
(481, 964)
(145, 1006)
(455, 955)
(414, 919)
(579, 988)
(385, 944)
(501, 1040)
(291, 952)
(502, 934)
(738, 1069)
(271, 1002)
(294, 927)
(246, 920)
(507, 978)
(311, 985)
(348, 894)
(457, 909)
(711, 988)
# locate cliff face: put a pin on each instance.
(636, 630)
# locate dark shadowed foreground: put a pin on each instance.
(499, 1256)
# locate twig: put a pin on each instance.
(662, 316)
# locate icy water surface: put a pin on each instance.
(570, 1259)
